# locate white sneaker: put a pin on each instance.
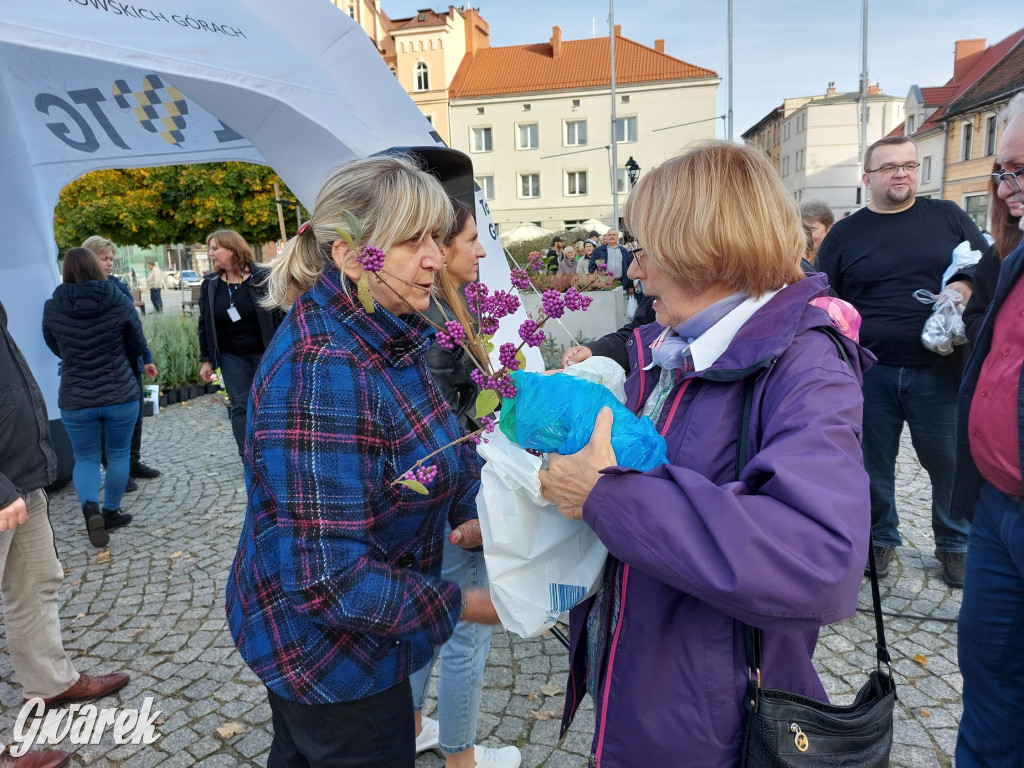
(506, 757)
(429, 736)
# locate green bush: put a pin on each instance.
(174, 343)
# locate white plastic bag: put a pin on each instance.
(944, 328)
(631, 306)
(603, 371)
(539, 563)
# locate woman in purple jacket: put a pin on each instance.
(695, 550)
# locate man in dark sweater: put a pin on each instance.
(29, 569)
(876, 259)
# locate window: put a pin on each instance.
(352, 11)
(785, 131)
(430, 119)
(422, 77)
(621, 180)
(785, 166)
(526, 107)
(926, 168)
(575, 103)
(990, 135)
(625, 99)
(625, 129)
(529, 185)
(527, 136)
(801, 122)
(575, 133)
(479, 110)
(910, 124)
(798, 164)
(976, 207)
(575, 183)
(967, 141)
(486, 184)
(482, 140)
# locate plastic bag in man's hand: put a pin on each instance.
(556, 413)
(944, 328)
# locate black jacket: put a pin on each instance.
(268, 319)
(450, 369)
(27, 459)
(95, 331)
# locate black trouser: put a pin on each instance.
(136, 449)
(374, 732)
(156, 299)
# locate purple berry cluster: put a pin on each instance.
(507, 356)
(424, 474)
(530, 332)
(520, 279)
(501, 382)
(475, 295)
(574, 300)
(500, 304)
(487, 425)
(488, 326)
(553, 303)
(371, 258)
(536, 262)
(453, 335)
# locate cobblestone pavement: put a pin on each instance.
(153, 605)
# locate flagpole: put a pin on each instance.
(615, 148)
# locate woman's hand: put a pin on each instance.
(206, 372)
(150, 370)
(575, 355)
(569, 480)
(467, 535)
(479, 608)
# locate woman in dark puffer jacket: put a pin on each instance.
(94, 329)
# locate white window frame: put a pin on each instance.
(486, 184)
(911, 120)
(575, 124)
(520, 178)
(966, 140)
(990, 135)
(926, 169)
(785, 166)
(535, 132)
(421, 77)
(622, 181)
(473, 139)
(984, 197)
(625, 121)
(572, 179)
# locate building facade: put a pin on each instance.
(537, 122)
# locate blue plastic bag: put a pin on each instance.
(556, 413)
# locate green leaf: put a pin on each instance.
(487, 402)
(521, 359)
(353, 224)
(363, 290)
(415, 485)
(488, 346)
(346, 237)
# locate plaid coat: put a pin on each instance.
(335, 592)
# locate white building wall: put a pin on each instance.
(654, 106)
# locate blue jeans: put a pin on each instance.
(156, 299)
(460, 681)
(238, 372)
(925, 398)
(990, 636)
(84, 427)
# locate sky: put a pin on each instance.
(781, 48)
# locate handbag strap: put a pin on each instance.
(752, 635)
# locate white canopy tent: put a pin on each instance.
(525, 231)
(595, 225)
(91, 84)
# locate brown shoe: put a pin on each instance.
(50, 758)
(954, 567)
(88, 688)
(883, 556)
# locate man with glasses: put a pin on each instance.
(876, 259)
(988, 489)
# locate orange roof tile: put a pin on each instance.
(581, 64)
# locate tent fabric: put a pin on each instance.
(93, 84)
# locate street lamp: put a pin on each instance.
(633, 171)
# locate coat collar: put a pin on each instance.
(400, 340)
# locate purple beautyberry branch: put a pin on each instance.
(424, 474)
(453, 335)
(371, 258)
(507, 356)
(520, 279)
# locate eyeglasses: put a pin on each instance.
(890, 168)
(1012, 179)
(636, 249)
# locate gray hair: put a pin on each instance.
(1013, 110)
(99, 245)
(818, 210)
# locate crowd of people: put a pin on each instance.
(770, 341)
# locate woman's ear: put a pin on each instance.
(351, 268)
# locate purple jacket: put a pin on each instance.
(782, 549)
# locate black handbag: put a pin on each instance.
(789, 730)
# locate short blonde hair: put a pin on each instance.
(392, 199)
(719, 213)
(99, 245)
(241, 252)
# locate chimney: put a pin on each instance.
(966, 55)
(873, 89)
(659, 46)
(618, 30)
(556, 42)
(831, 90)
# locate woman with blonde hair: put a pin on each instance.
(234, 326)
(335, 596)
(706, 543)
